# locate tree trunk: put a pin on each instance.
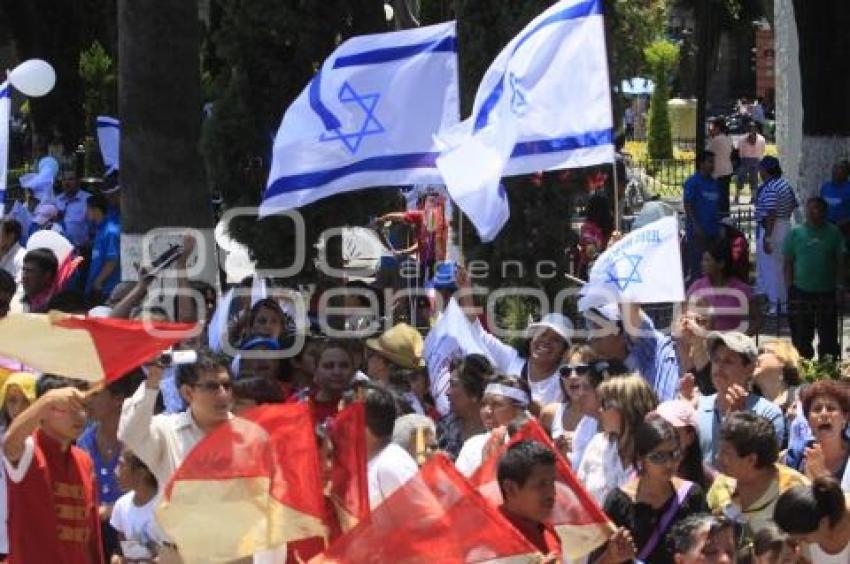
(813, 129)
(162, 175)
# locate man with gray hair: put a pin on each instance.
(417, 435)
(733, 360)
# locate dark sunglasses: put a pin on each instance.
(663, 457)
(213, 387)
(567, 370)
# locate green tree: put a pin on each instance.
(661, 56)
(98, 74)
(265, 53)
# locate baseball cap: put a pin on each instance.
(733, 340)
(557, 322)
(678, 413)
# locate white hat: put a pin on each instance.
(557, 322)
(44, 213)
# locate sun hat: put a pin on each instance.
(402, 345)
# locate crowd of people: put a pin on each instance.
(699, 444)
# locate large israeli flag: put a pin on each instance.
(544, 104)
(368, 118)
(109, 141)
(5, 109)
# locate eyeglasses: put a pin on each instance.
(577, 369)
(663, 457)
(213, 387)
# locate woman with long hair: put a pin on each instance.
(609, 458)
(572, 423)
(721, 290)
(682, 416)
(651, 502)
(818, 515)
(777, 375)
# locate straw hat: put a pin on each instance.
(401, 345)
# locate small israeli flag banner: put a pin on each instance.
(368, 118)
(544, 104)
(109, 140)
(5, 115)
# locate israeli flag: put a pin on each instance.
(544, 104)
(5, 115)
(109, 140)
(644, 267)
(368, 118)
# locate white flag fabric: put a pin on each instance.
(451, 338)
(644, 267)
(368, 118)
(109, 141)
(544, 104)
(5, 115)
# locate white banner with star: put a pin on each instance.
(368, 118)
(643, 267)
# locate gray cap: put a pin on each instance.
(734, 340)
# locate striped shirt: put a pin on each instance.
(775, 197)
(653, 355)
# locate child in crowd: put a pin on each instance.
(51, 482)
(16, 394)
(133, 513)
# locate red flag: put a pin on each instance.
(436, 516)
(250, 485)
(579, 521)
(91, 349)
(349, 487)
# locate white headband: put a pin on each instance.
(507, 392)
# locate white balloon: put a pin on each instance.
(47, 239)
(33, 77)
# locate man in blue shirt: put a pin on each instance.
(105, 268)
(625, 337)
(702, 200)
(733, 361)
(836, 192)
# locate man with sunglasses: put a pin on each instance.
(163, 441)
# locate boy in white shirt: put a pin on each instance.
(133, 514)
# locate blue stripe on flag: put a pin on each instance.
(583, 10)
(107, 123)
(308, 180)
(569, 143)
(286, 184)
(6, 92)
(388, 54)
(331, 122)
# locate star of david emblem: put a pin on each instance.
(370, 125)
(519, 104)
(623, 271)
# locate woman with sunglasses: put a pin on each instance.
(650, 503)
(506, 398)
(572, 423)
(609, 459)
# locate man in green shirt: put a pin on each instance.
(814, 253)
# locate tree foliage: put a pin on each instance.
(661, 56)
(264, 53)
(98, 74)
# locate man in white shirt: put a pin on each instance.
(11, 252)
(389, 466)
(163, 441)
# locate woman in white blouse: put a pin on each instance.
(609, 459)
